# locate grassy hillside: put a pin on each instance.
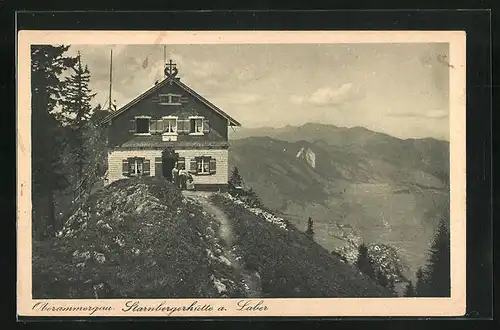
(142, 238)
(364, 184)
(133, 238)
(289, 263)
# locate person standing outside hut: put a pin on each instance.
(190, 182)
(175, 176)
(182, 178)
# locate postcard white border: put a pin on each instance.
(453, 306)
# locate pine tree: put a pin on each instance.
(96, 142)
(364, 263)
(76, 103)
(75, 114)
(410, 290)
(438, 268)
(421, 284)
(48, 173)
(236, 180)
(310, 229)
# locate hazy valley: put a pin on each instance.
(356, 184)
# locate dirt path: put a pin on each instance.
(250, 280)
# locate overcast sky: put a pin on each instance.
(398, 89)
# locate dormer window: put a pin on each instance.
(196, 125)
(170, 99)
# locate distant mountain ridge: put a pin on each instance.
(307, 128)
(387, 190)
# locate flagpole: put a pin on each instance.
(110, 78)
(164, 56)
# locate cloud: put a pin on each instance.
(327, 96)
(429, 114)
(245, 73)
(296, 99)
(204, 69)
(176, 58)
(239, 98)
(212, 82)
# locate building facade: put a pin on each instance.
(169, 125)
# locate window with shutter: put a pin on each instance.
(142, 125)
(170, 124)
(203, 165)
(196, 125)
(125, 167)
(175, 99)
(213, 164)
(170, 99)
(136, 166)
(164, 99)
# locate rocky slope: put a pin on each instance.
(143, 238)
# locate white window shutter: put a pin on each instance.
(206, 126)
(125, 167)
(193, 165)
(159, 126)
(213, 164)
(152, 125)
(145, 168)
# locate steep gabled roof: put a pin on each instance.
(232, 121)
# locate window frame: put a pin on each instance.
(176, 132)
(201, 126)
(136, 161)
(202, 160)
(149, 125)
(169, 97)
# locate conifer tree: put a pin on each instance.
(421, 285)
(76, 103)
(236, 180)
(47, 64)
(364, 263)
(76, 113)
(438, 268)
(410, 290)
(310, 229)
(96, 141)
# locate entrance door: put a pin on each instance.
(167, 166)
(168, 160)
